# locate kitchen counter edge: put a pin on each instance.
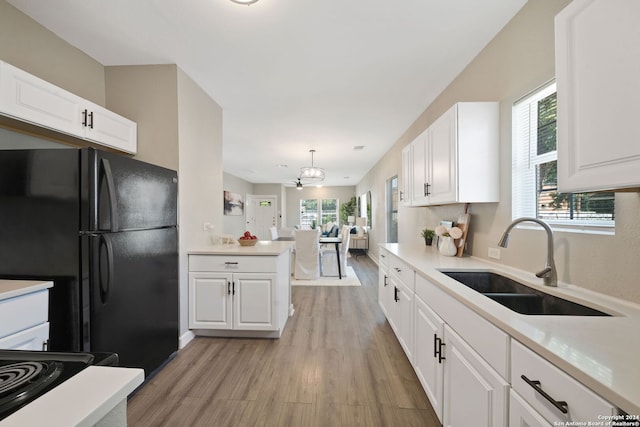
(262, 248)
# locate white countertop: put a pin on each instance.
(15, 288)
(82, 400)
(262, 248)
(600, 352)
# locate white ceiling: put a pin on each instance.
(293, 75)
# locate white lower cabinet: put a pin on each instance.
(384, 287)
(473, 372)
(239, 293)
(242, 301)
(521, 414)
(24, 321)
(36, 338)
(473, 391)
(428, 358)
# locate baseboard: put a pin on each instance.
(185, 339)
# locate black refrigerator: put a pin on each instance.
(103, 227)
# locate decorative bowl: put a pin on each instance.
(248, 242)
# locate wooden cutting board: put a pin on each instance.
(463, 224)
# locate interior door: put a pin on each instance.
(261, 215)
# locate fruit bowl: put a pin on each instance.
(248, 242)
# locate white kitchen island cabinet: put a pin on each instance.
(240, 291)
(597, 67)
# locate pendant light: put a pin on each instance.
(312, 173)
(246, 2)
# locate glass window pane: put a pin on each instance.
(552, 205)
(308, 213)
(329, 210)
(547, 108)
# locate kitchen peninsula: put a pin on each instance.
(240, 291)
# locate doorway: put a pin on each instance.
(261, 213)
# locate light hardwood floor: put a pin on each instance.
(337, 363)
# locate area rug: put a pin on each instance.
(349, 280)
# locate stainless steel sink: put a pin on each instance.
(519, 297)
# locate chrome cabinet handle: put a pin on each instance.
(561, 405)
(385, 280)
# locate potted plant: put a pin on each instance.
(428, 236)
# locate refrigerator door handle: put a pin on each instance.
(111, 188)
(105, 285)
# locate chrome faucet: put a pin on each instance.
(548, 274)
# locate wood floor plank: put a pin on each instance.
(338, 363)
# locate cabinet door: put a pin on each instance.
(210, 300)
(442, 164)
(403, 313)
(254, 301)
(429, 330)
(407, 177)
(34, 100)
(383, 284)
(420, 178)
(597, 69)
(108, 128)
(472, 389)
(35, 338)
(523, 415)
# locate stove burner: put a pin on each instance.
(14, 376)
(23, 380)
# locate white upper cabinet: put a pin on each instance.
(30, 99)
(456, 159)
(407, 179)
(597, 69)
(419, 170)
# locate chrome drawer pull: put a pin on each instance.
(560, 404)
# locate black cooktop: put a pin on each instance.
(26, 375)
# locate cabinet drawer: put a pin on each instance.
(384, 257)
(23, 312)
(582, 403)
(35, 338)
(402, 271)
(245, 264)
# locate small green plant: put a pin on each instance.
(428, 236)
(427, 233)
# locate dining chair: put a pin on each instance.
(307, 264)
(328, 259)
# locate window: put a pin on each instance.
(309, 212)
(534, 181)
(392, 209)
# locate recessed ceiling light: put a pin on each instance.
(247, 2)
(283, 166)
(358, 147)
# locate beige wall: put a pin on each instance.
(148, 95)
(26, 44)
(200, 175)
(519, 59)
